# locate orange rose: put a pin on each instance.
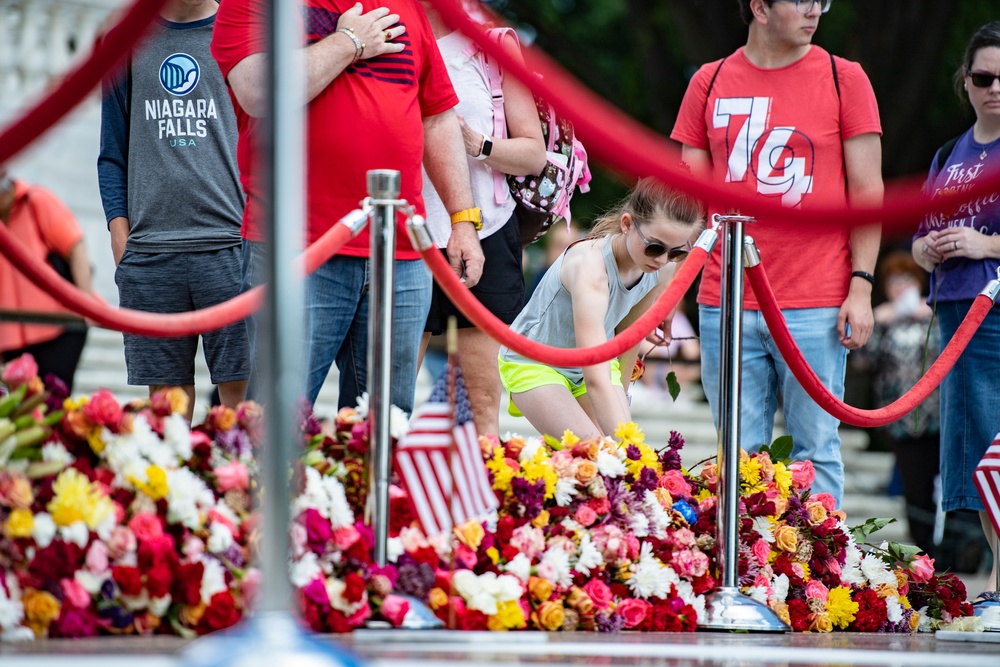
(437, 599)
(470, 534)
(817, 513)
(190, 615)
(541, 520)
(540, 589)
(40, 609)
(785, 538)
(549, 615)
(580, 601)
(820, 623)
(586, 470)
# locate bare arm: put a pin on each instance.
(522, 153)
(863, 161)
(627, 358)
(698, 159)
(119, 236)
(588, 286)
(449, 173)
(324, 60)
(79, 266)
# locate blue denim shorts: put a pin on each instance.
(970, 405)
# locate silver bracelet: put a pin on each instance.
(359, 46)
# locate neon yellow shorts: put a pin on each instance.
(518, 377)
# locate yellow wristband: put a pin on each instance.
(473, 215)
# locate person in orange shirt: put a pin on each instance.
(48, 230)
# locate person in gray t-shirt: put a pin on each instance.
(172, 197)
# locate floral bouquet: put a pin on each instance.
(122, 520)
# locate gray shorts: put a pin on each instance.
(177, 283)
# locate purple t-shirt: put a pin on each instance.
(962, 278)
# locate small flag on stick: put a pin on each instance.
(442, 499)
(987, 479)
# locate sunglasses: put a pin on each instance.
(805, 6)
(657, 249)
(983, 79)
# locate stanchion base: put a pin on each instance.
(728, 609)
(988, 611)
(268, 639)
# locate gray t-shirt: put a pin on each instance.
(548, 317)
(168, 145)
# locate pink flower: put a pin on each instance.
(250, 586)
(20, 371)
(610, 541)
(394, 609)
(675, 484)
(233, 475)
(357, 619)
(315, 591)
(690, 564)
(834, 567)
(761, 550)
(815, 589)
(803, 474)
(922, 569)
(599, 592)
(465, 556)
(74, 593)
(122, 542)
(528, 540)
(318, 530)
(344, 537)
(103, 409)
(298, 536)
(97, 557)
(584, 515)
(633, 611)
(826, 500)
(193, 547)
(412, 539)
(146, 526)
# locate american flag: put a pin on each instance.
(987, 479)
(422, 460)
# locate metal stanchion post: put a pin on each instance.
(727, 608)
(383, 191)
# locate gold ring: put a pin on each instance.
(388, 35)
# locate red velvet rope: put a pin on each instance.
(557, 356)
(817, 390)
(157, 324)
(78, 84)
(629, 147)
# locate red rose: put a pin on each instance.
(338, 622)
(426, 554)
(103, 409)
(186, 585)
(221, 613)
(354, 588)
(158, 580)
(158, 550)
(59, 560)
(128, 579)
(633, 611)
(799, 613)
(312, 614)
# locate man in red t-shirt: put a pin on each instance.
(783, 119)
(379, 97)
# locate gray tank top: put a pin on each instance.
(548, 317)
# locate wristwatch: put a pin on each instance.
(473, 215)
(486, 149)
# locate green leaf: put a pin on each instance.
(903, 552)
(781, 448)
(861, 532)
(673, 386)
(554, 443)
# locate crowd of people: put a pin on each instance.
(389, 85)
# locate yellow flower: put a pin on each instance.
(156, 487)
(71, 404)
(750, 475)
(502, 473)
(647, 459)
(569, 438)
(75, 498)
(437, 598)
(493, 554)
(783, 478)
(541, 520)
(19, 524)
(820, 622)
(470, 534)
(40, 609)
(509, 616)
(786, 539)
(178, 400)
(629, 433)
(539, 467)
(914, 621)
(549, 615)
(840, 607)
(95, 441)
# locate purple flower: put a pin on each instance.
(119, 617)
(529, 494)
(234, 442)
(623, 502)
(234, 555)
(415, 579)
(670, 459)
(633, 452)
(647, 480)
(57, 392)
(676, 440)
(608, 622)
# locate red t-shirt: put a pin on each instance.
(369, 117)
(779, 133)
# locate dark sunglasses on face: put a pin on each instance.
(657, 249)
(983, 79)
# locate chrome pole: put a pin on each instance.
(383, 191)
(727, 608)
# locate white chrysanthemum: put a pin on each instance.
(894, 609)
(136, 602)
(20, 633)
(763, 527)
(531, 446)
(213, 580)
(554, 566)
(159, 606)
(219, 538)
(780, 587)
(850, 572)
(877, 571)
(659, 520)
(638, 523)
(565, 491)
(394, 549)
(520, 567)
(926, 623)
(571, 525)
(177, 436)
(188, 498)
(758, 593)
(335, 591)
(650, 577)
(362, 408)
(589, 557)
(106, 525)
(226, 512)
(77, 533)
(304, 570)
(91, 582)
(486, 591)
(44, 530)
(326, 495)
(399, 422)
(11, 608)
(54, 452)
(609, 465)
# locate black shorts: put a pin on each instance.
(501, 289)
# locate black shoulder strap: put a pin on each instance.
(711, 84)
(945, 152)
(836, 79)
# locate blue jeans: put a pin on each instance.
(813, 430)
(337, 326)
(970, 405)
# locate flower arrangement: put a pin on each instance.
(123, 520)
